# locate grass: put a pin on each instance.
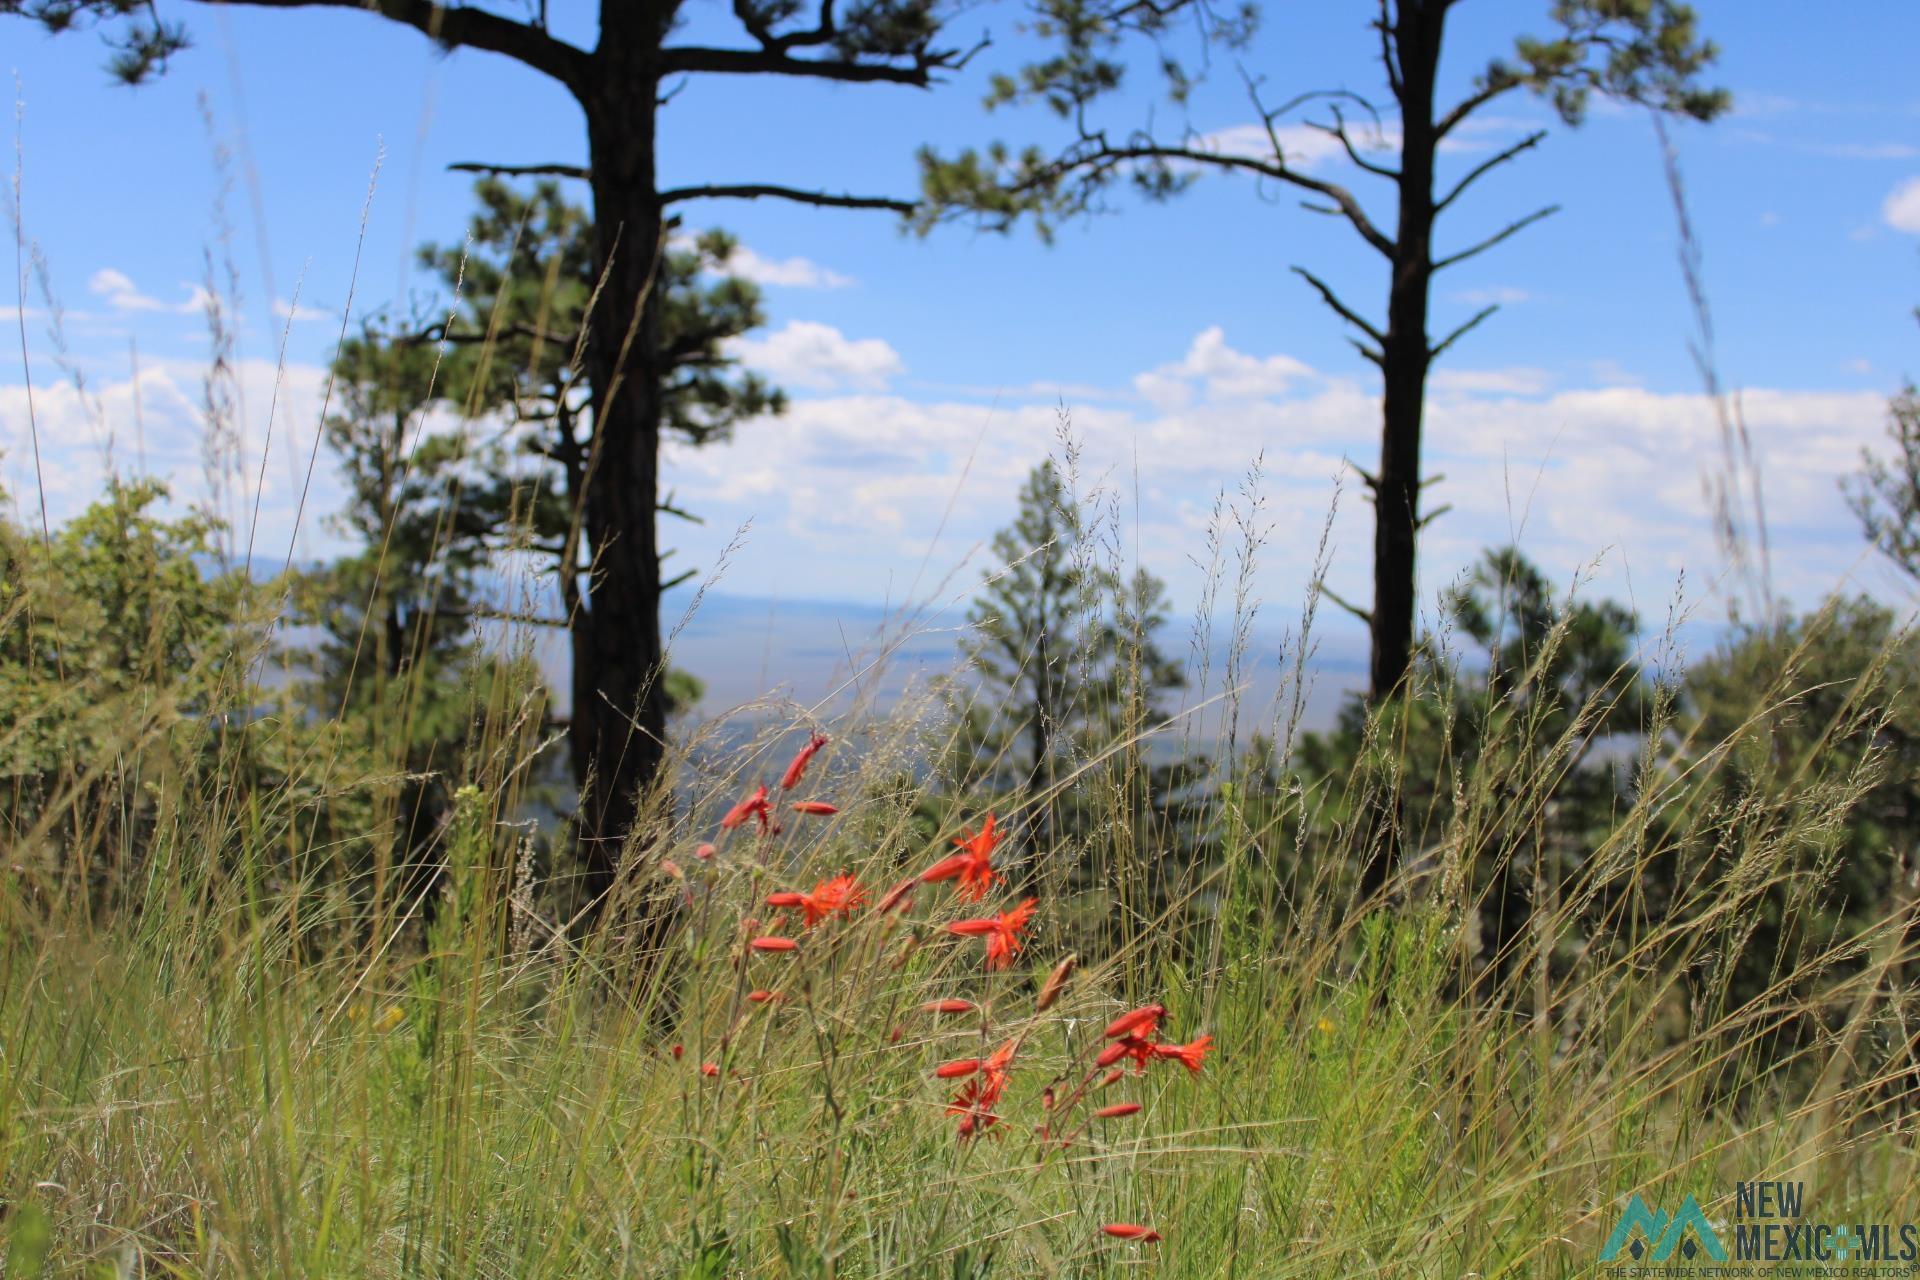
(220, 1079)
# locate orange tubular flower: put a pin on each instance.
(754, 806)
(704, 851)
(1056, 983)
(1118, 1110)
(896, 897)
(838, 896)
(709, 1069)
(787, 898)
(948, 1006)
(945, 869)
(1138, 1023)
(1188, 1055)
(817, 808)
(1112, 1077)
(957, 1069)
(791, 778)
(1135, 1047)
(774, 943)
(1002, 933)
(1131, 1231)
(974, 1103)
(762, 996)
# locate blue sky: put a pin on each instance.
(927, 373)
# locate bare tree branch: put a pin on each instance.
(1365, 615)
(1470, 104)
(1492, 162)
(774, 61)
(756, 191)
(523, 170)
(1340, 308)
(1338, 129)
(1457, 334)
(1497, 237)
(467, 27)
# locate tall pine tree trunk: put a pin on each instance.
(1405, 357)
(619, 698)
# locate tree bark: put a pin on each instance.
(1405, 355)
(619, 697)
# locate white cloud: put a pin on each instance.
(1902, 207)
(818, 357)
(1501, 382)
(1222, 372)
(852, 490)
(300, 313)
(120, 293)
(788, 273)
(778, 273)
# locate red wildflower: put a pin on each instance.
(1140, 1050)
(972, 867)
(754, 806)
(1002, 933)
(787, 898)
(975, 1100)
(677, 1050)
(1131, 1231)
(971, 1106)
(1117, 1110)
(838, 896)
(791, 778)
(947, 1006)
(817, 808)
(896, 896)
(1140, 1022)
(1189, 1055)
(956, 1069)
(1111, 1077)
(762, 996)
(709, 1069)
(774, 943)
(704, 851)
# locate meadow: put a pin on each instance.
(239, 1041)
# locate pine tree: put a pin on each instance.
(1647, 52)
(624, 84)
(1063, 665)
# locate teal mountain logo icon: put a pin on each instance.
(1653, 1235)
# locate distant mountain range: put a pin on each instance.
(836, 652)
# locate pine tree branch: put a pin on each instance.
(1338, 130)
(523, 170)
(759, 190)
(1340, 308)
(1461, 332)
(1365, 615)
(1492, 162)
(1470, 104)
(1497, 237)
(919, 73)
(468, 27)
